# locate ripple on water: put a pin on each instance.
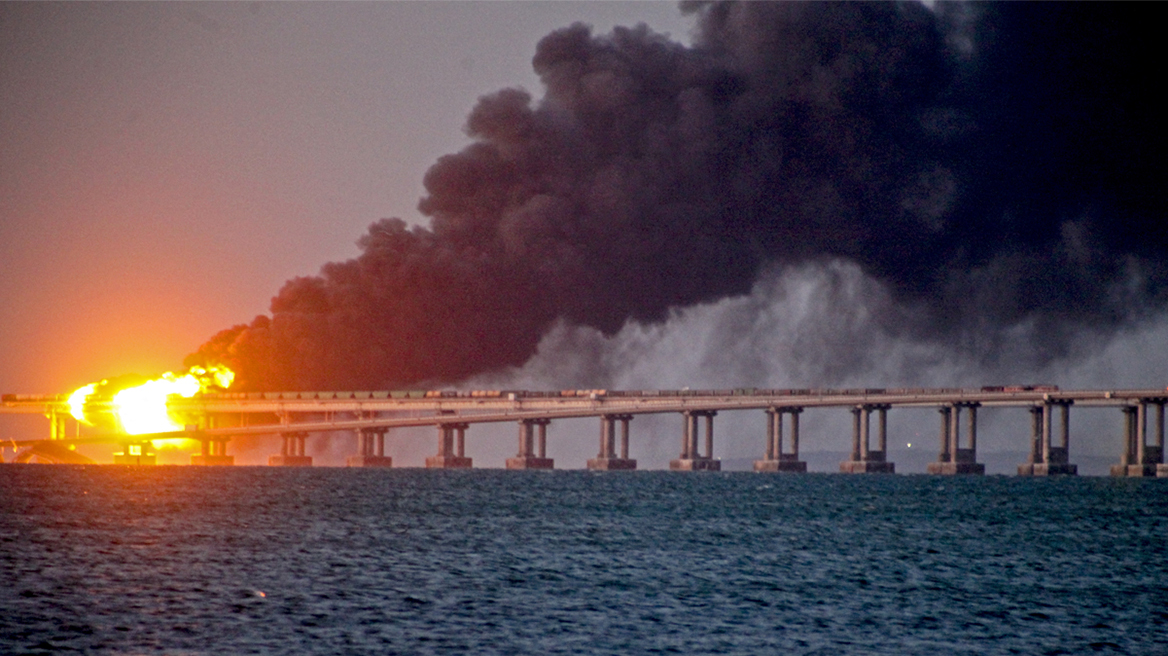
(255, 560)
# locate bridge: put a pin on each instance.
(218, 418)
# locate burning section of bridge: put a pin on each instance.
(135, 406)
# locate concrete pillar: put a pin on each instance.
(446, 440)
(606, 430)
(525, 438)
(955, 432)
(291, 451)
(777, 450)
(1036, 417)
(526, 458)
(945, 411)
(710, 434)
(1144, 457)
(883, 410)
(692, 431)
(1046, 420)
(953, 459)
(771, 414)
(864, 460)
(624, 451)
(1054, 459)
(777, 458)
(370, 449)
(1129, 437)
(449, 455)
(136, 453)
(1141, 431)
(610, 433)
(691, 459)
(855, 434)
(56, 425)
(214, 453)
(1160, 426)
(864, 433)
(973, 428)
(607, 459)
(795, 431)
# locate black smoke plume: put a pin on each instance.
(991, 164)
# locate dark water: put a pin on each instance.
(185, 560)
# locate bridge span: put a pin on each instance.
(215, 419)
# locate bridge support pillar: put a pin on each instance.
(136, 453)
(607, 458)
(451, 442)
(1139, 458)
(1047, 458)
(292, 452)
(691, 458)
(528, 456)
(955, 459)
(214, 453)
(776, 459)
(866, 460)
(370, 449)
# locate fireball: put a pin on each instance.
(143, 408)
(77, 402)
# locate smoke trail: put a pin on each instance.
(993, 171)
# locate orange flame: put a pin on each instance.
(143, 408)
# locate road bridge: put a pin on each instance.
(215, 419)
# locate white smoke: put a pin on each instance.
(829, 325)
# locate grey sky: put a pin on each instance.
(165, 167)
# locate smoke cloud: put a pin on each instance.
(984, 178)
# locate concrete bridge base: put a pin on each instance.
(955, 459)
(695, 464)
(283, 460)
(784, 465)
(867, 467)
(368, 461)
(532, 452)
(530, 462)
(292, 452)
(212, 461)
(448, 462)
(1162, 471)
(1141, 459)
(213, 454)
(956, 468)
(865, 459)
(1046, 457)
(612, 464)
(1134, 471)
(1048, 469)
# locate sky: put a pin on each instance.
(854, 196)
(165, 167)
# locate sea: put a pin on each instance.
(263, 560)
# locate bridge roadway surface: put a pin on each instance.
(366, 408)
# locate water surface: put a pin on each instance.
(187, 560)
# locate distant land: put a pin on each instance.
(914, 461)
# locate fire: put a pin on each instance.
(143, 408)
(77, 402)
